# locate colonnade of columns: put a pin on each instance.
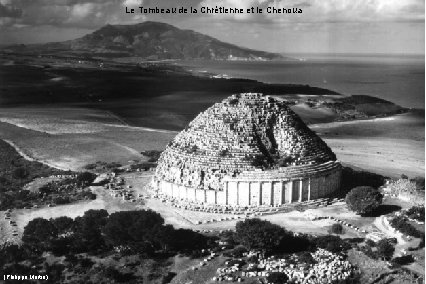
(257, 193)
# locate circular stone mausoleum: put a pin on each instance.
(248, 150)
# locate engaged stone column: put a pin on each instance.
(260, 193)
(309, 189)
(249, 193)
(290, 191)
(300, 190)
(238, 193)
(226, 193)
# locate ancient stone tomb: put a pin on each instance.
(248, 150)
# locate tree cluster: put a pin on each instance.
(416, 213)
(16, 171)
(385, 249)
(96, 231)
(264, 236)
(102, 166)
(55, 192)
(402, 224)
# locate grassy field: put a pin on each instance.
(386, 156)
(72, 147)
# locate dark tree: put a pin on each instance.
(420, 183)
(331, 243)
(132, 227)
(277, 278)
(88, 231)
(370, 243)
(401, 224)
(259, 234)
(11, 253)
(403, 260)
(336, 228)
(238, 251)
(85, 178)
(38, 234)
(118, 276)
(20, 173)
(292, 244)
(417, 213)
(306, 257)
(385, 249)
(404, 176)
(61, 246)
(63, 224)
(181, 240)
(97, 217)
(363, 199)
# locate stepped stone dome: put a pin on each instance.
(247, 150)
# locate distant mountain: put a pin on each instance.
(154, 40)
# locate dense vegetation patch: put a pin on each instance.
(402, 224)
(138, 237)
(63, 191)
(261, 235)
(363, 199)
(99, 235)
(100, 167)
(336, 228)
(98, 232)
(16, 171)
(416, 213)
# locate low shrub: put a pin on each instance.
(336, 228)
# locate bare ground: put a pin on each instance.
(385, 156)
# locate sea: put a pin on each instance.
(396, 78)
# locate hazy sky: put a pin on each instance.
(341, 26)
